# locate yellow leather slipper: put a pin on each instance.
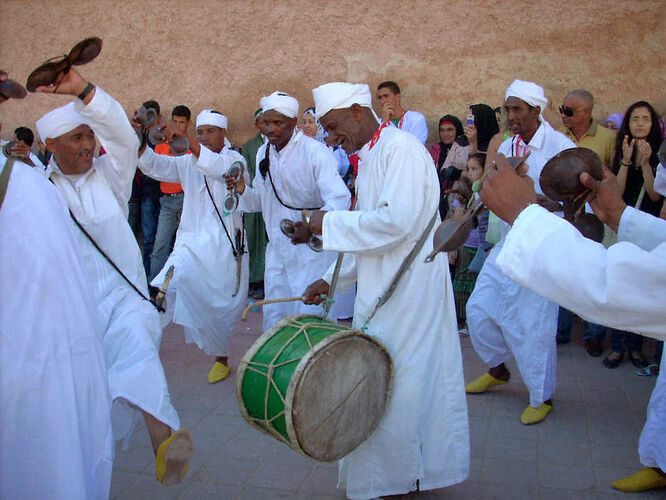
(218, 372)
(644, 480)
(173, 455)
(533, 415)
(483, 383)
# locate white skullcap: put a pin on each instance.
(211, 117)
(59, 121)
(529, 92)
(340, 95)
(280, 102)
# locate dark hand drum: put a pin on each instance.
(319, 387)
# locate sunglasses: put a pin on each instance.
(566, 111)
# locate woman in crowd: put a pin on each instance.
(450, 156)
(635, 163)
(613, 121)
(483, 130)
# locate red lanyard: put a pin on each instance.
(375, 137)
(515, 149)
(402, 119)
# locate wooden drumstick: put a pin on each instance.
(268, 301)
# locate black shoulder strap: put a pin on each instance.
(265, 168)
(239, 247)
(113, 264)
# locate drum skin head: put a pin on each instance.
(340, 397)
(559, 178)
(321, 397)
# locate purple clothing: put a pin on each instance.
(477, 236)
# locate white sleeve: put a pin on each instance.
(162, 167)
(109, 122)
(418, 126)
(331, 187)
(215, 165)
(622, 287)
(399, 208)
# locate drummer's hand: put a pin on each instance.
(71, 83)
(301, 234)
(317, 221)
(170, 131)
(605, 198)
(313, 293)
(507, 191)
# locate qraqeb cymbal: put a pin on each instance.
(9, 89)
(82, 53)
(559, 179)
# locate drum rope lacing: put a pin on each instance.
(301, 329)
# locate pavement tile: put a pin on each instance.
(279, 476)
(463, 491)
(506, 447)
(564, 452)
(621, 454)
(564, 494)
(253, 493)
(501, 492)
(321, 482)
(580, 477)
(199, 491)
(134, 459)
(151, 489)
(257, 447)
(509, 472)
(227, 470)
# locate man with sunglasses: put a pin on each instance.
(581, 128)
(506, 320)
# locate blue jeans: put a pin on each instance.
(625, 341)
(171, 206)
(142, 219)
(592, 330)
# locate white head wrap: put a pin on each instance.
(280, 102)
(340, 95)
(210, 117)
(529, 92)
(59, 121)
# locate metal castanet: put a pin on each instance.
(452, 233)
(47, 73)
(317, 386)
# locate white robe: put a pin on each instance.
(415, 123)
(506, 319)
(132, 333)
(200, 293)
(55, 406)
(424, 433)
(305, 175)
(622, 287)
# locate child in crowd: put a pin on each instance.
(465, 261)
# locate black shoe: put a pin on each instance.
(559, 341)
(614, 361)
(594, 347)
(637, 359)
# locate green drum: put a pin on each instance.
(317, 386)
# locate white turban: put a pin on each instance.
(340, 95)
(59, 121)
(280, 102)
(210, 117)
(529, 92)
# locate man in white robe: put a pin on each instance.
(294, 171)
(209, 286)
(55, 407)
(422, 442)
(96, 192)
(504, 318)
(622, 287)
(388, 95)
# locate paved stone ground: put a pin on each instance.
(589, 440)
